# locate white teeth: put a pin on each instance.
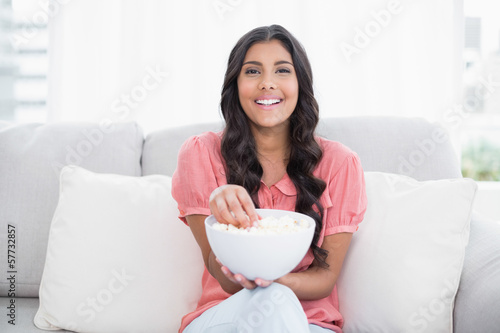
(267, 101)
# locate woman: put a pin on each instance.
(268, 157)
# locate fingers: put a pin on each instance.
(238, 279)
(219, 208)
(248, 207)
(244, 282)
(236, 208)
(223, 214)
(263, 283)
(231, 204)
(241, 280)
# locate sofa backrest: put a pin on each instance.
(409, 146)
(31, 157)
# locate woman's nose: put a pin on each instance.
(267, 84)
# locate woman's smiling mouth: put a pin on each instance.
(268, 102)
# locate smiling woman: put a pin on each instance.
(269, 157)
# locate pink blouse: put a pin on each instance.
(200, 170)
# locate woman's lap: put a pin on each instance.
(273, 309)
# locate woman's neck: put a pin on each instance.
(273, 152)
(272, 144)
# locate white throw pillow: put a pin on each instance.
(118, 258)
(403, 267)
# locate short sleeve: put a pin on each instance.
(194, 178)
(348, 197)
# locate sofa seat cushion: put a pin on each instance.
(478, 298)
(25, 309)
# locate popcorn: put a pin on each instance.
(268, 225)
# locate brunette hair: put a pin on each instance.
(238, 144)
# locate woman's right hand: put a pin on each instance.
(231, 204)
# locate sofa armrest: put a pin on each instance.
(478, 297)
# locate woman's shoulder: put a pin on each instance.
(205, 139)
(335, 156)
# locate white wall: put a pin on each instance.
(369, 57)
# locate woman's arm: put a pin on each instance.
(229, 204)
(318, 282)
(197, 225)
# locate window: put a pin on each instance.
(24, 60)
(481, 129)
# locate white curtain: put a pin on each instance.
(161, 63)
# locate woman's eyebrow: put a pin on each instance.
(252, 63)
(281, 62)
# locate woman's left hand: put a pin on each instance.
(243, 281)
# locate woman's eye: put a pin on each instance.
(283, 70)
(251, 71)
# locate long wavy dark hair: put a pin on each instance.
(238, 144)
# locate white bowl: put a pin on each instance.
(266, 256)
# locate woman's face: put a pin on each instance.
(267, 85)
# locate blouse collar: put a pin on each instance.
(286, 186)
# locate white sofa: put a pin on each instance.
(31, 156)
